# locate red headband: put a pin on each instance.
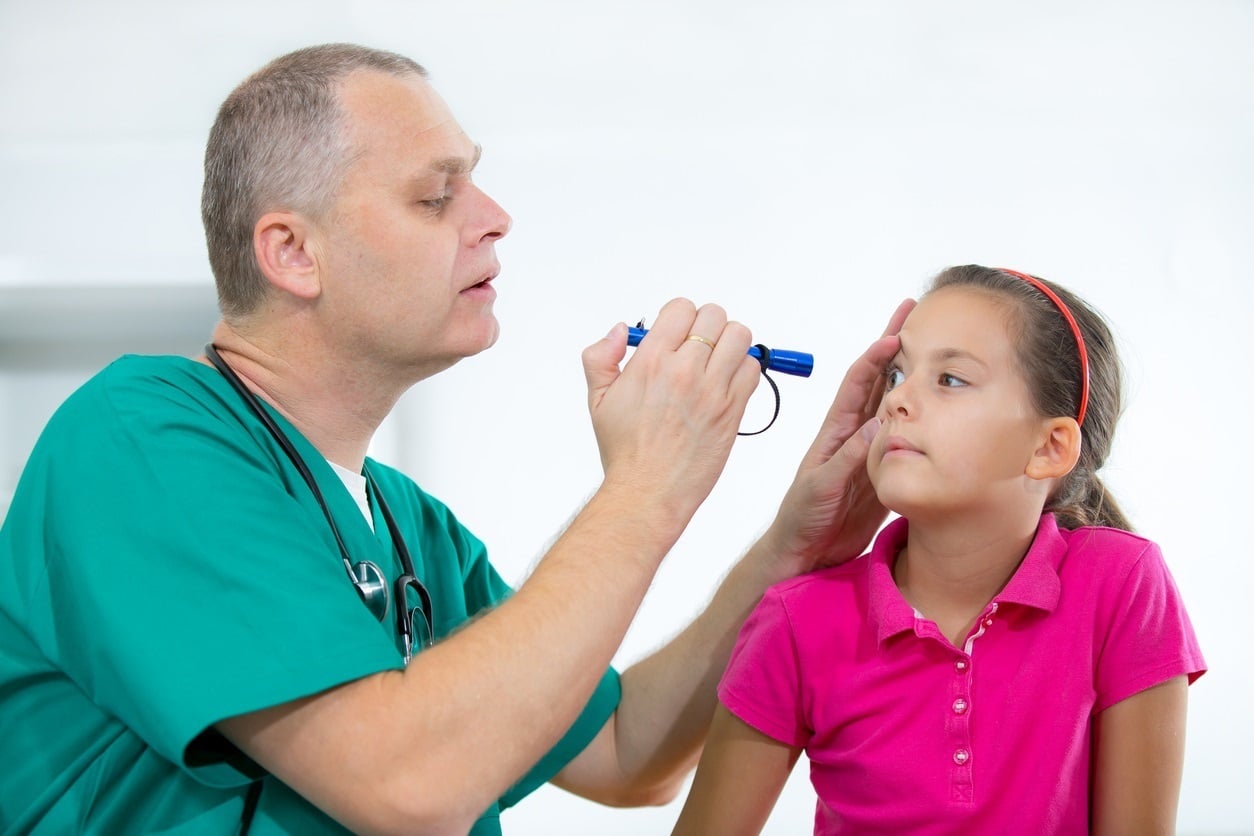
(1075, 332)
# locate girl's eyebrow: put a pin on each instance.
(901, 349)
(944, 355)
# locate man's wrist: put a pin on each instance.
(769, 562)
(637, 519)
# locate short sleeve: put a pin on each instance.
(1149, 639)
(762, 683)
(482, 585)
(597, 712)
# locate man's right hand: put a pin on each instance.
(666, 421)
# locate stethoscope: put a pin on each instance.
(368, 579)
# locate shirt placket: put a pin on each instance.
(962, 785)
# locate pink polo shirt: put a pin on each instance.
(906, 733)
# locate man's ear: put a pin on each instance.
(285, 254)
(1059, 449)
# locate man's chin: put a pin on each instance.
(489, 338)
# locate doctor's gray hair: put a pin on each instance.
(278, 143)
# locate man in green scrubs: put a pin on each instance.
(181, 647)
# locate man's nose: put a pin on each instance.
(495, 220)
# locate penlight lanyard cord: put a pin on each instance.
(764, 360)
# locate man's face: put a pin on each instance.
(407, 250)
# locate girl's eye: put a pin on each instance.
(949, 381)
(893, 378)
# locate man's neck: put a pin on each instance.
(335, 405)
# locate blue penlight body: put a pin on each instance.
(777, 359)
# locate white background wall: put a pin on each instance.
(805, 164)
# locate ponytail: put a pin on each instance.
(1083, 500)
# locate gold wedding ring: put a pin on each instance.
(698, 338)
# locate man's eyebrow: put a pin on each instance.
(458, 165)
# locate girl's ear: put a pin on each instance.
(1058, 452)
(285, 253)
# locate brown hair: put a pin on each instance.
(278, 143)
(1050, 362)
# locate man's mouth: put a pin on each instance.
(486, 281)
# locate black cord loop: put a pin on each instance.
(764, 359)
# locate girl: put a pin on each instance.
(1008, 657)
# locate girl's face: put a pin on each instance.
(958, 426)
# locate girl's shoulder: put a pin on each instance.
(826, 586)
(1109, 563)
(1108, 548)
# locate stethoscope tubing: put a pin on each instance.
(403, 624)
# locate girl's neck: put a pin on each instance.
(950, 571)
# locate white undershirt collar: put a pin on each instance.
(356, 484)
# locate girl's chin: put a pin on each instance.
(901, 505)
(893, 499)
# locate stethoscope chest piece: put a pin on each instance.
(372, 586)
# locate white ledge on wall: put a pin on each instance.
(64, 326)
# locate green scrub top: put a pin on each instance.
(163, 566)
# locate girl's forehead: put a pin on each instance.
(957, 317)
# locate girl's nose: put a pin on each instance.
(897, 399)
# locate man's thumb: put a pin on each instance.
(601, 359)
(852, 454)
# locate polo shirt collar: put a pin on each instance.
(1034, 584)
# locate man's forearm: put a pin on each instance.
(432, 746)
(669, 697)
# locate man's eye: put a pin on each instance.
(949, 381)
(437, 203)
(893, 377)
